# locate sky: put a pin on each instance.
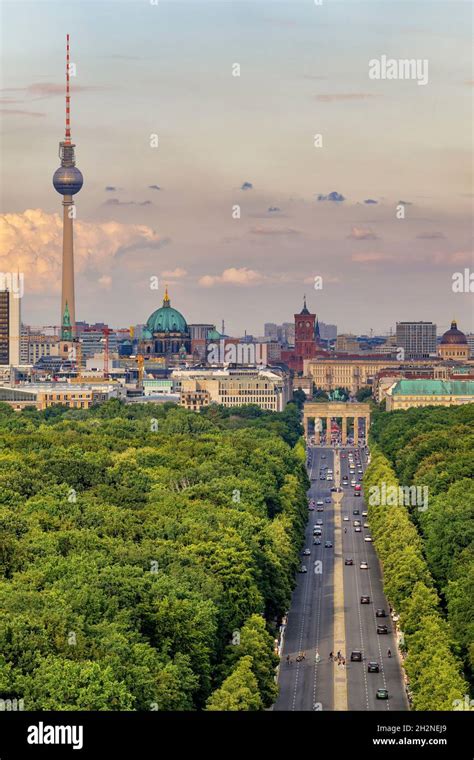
(237, 209)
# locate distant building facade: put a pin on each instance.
(405, 394)
(417, 339)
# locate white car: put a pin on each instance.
(357, 529)
(364, 566)
(368, 539)
(329, 477)
(303, 569)
(320, 503)
(307, 552)
(345, 518)
(364, 513)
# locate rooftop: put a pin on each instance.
(433, 388)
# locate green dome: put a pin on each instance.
(214, 335)
(166, 319)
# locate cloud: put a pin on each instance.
(370, 200)
(232, 276)
(105, 281)
(117, 202)
(40, 90)
(247, 186)
(405, 203)
(273, 209)
(154, 187)
(32, 241)
(370, 258)
(20, 112)
(430, 236)
(111, 189)
(455, 257)
(334, 196)
(359, 233)
(174, 274)
(269, 231)
(337, 96)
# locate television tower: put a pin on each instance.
(67, 180)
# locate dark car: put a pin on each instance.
(365, 599)
(356, 656)
(380, 612)
(328, 544)
(382, 628)
(327, 500)
(320, 509)
(348, 561)
(317, 542)
(381, 694)
(355, 512)
(356, 493)
(373, 667)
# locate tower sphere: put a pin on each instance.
(67, 180)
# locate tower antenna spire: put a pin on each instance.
(68, 97)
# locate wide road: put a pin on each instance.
(326, 614)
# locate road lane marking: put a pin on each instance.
(339, 625)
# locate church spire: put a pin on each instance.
(66, 327)
(166, 299)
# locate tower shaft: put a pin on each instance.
(67, 289)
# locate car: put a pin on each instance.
(311, 508)
(345, 518)
(319, 509)
(323, 456)
(356, 523)
(307, 552)
(328, 544)
(381, 694)
(355, 512)
(334, 488)
(356, 655)
(364, 566)
(365, 599)
(368, 539)
(360, 478)
(380, 612)
(348, 561)
(329, 477)
(364, 513)
(317, 542)
(319, 503)
(356, 493)
(317, 532)
(357, 529)
(321, 477)
(381, 628)
(366, 525)
(373, 667)
(327, 500)
(303, 569)
(353, 482)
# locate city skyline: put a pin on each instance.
(166, 213)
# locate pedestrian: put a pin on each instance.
(339, 655)
(331, 655)
(343, 662)
(287, 659)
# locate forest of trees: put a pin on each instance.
(147, 554)
(428, 553)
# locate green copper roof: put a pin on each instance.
(214, 335)
(434, 388)
(166, 319)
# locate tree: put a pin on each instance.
(239, 692)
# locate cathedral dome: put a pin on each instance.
(453, 336)
(166, 319)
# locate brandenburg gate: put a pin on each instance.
(344, 410)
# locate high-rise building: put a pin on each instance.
(270, 330)
(10, 327)
(67, 180)
(418, 339)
